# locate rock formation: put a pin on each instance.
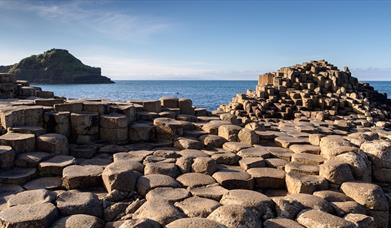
(165, 163)
(55, 66)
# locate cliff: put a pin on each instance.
(55, 66)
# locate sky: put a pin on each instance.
(226, 40)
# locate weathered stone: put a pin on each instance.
(187, 143)
(309, 149)
(55, 165)
(82, 151)
(167, 128)
(165, 168)
(195, 179)
(79, 220)
(294, 167)
(251, 162)
(19, 142)
(82, 177)
(315, 218)
(214, 192)
(333, 145)
(235, 147)
(267, 177)
(280, 223)
(149, 182)
(186, 106)
(235, 216)
(113, 121)
(194, 223)
(204, 165)
(226, 158)
(252, 200)
(169, 102)
(367, 194)
(17, 175)
(233, 179)
(122, 175)
(332, 196)
(197, 207)
(213, 126)
(336, 171)
(167, 194)
(72, 203)
(84, 123)
(229, 132)
(301, 183)
(360, 220)
(7, 157)
(311, 201)
(31, 197)
(114, 135)
(346, 207)
(141, 132)
(379, 151)
(53, 143)
(248, 136)
(287, 141)
(307, 159)
(158, 210)
(31, 215)
(213, 141)
(49, 183)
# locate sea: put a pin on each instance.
(204, 93)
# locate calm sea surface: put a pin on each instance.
(209, 94)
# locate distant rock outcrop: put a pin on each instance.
(55, 66)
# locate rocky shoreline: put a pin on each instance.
(310, 147)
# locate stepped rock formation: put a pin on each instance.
(165, 163)
(55, 66)
(315, 89)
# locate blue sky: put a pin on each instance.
(202, 39)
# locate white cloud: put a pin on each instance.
(110, 23)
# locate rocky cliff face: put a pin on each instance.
(55, 66)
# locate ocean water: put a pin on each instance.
(208, 94)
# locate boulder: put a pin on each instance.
(336, 171)
(333, 145)
(301, 183)
(204, 165)
(367, 194)
(248, 136)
